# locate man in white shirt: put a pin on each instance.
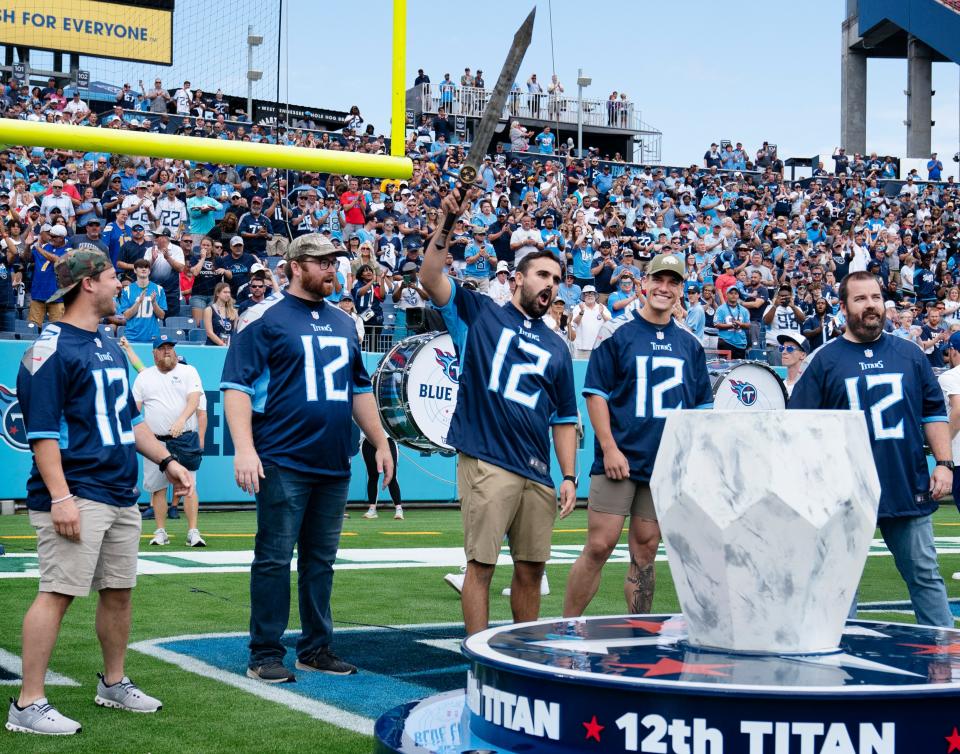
(950, 384)
(76, 108)
(182, 97)
(499, 288)
(861, 254)
(139, 206)
(171, 211)
(169, 395)
(781, 316)
(525, 239)
(588, 318)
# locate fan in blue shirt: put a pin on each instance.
(293, 380)
(645, 369)
(515, 386)
(890, 380)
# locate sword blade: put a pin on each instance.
(494, 108)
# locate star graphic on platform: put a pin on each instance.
(650, 626)
(936, 649)
(666, 666)
(594, 728)
(953, 739)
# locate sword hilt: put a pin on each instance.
(450, 218)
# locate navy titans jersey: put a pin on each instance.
(73, 388)
(891, 381)
(301, 365)
(642, 377)
(516, 380)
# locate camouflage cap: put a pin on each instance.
(76, 265)
(311, 245)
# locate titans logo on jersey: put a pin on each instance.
(73, 388)
(891, 381)
(643, 371)
(301, 365)
(516, 380)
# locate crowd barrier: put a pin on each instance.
(427, 478)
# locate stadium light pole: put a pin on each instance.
(253, 40)
(582, 81)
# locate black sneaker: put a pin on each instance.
(325, 661)
(272, 671)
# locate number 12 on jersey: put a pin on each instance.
(673, 371)
(333, 393)
(511, 390)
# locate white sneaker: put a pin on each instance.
(544, 587)
(398, 513)
(371, 513)
(194, 539)
(160, 537)
(455, 580)
(41, 718)
(125, 695)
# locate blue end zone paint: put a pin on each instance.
(395, 666)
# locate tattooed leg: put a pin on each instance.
(638, 588)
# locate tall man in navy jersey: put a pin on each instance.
(516, 384)
(891, 381)
(648, 367)
(293, 380)
(84, 429)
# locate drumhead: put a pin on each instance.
(415, 386)
(741, 385)
(433, 379)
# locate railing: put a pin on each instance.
(471, 101)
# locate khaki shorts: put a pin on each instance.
(38, 309)
(155, 480)
(494, 502)
(104, 558)
(621, 498)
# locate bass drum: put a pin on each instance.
(415, 386)
(743, 385)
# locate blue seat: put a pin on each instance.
(9, 336)
(198, 336)
(23, 326)
(272, 262)
(179, 323)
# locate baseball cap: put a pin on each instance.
(76, 265)
(503, 267)
(954, 341)
(236, 241)
(256, 268)
(161, 340)
(136, 226)
(666, 263)
(795, 337)
(58, 230)
(588, 289)
(170, 187)
(311, 245)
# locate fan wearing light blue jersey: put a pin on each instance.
(646, 368)
(84, 430)
(293, 379)
(516, 386)
(891, 381)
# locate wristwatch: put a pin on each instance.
(947, 464)
(164, 463)
(570, 478)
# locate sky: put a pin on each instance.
(699, 71)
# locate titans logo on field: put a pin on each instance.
(746, 393)
(14, 433)
(450, 365)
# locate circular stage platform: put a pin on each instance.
(633, 684)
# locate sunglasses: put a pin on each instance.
(788, 349)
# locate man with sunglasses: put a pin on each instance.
(319, 385)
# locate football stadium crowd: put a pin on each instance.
(196, 244)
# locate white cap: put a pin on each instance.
(236, 240)
(588, 289)
(58, 230)
(503, 267)
(256, 268)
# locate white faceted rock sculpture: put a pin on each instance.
(767, 517)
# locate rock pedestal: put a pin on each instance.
(767, 517)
